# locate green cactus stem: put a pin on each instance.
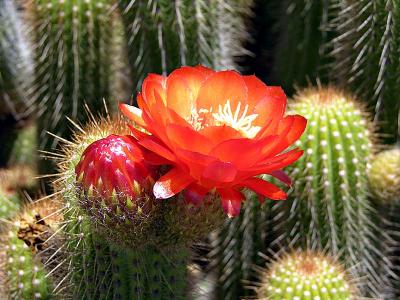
(329, 208)
(15, 64)
(15, 76)
(26, 241)
(78, 50)
(305, 275)
(384, 180)
(163, 35)
(302, 53)
(366, 58)
(105, 258)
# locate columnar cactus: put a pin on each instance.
(15, 64)
(329, 207)
(125, 244)
(305, 275)
(301, 54)
(15, 76)
(26, 242)
(77, 55)
(366, 52)
(384, 180)
(164, 35)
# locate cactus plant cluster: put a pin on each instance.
(131, 199)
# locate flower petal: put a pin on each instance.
(281, 176)
(221, 87)
(187, 138)
(231, 201)
(195, 194)
(264, 188)
(132, 113)
(171, 183)
(154, 85)
(151, 143)
(219, 172)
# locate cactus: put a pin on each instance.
(15, 64)
(26, 244)
(305, 275)
(115, 247)
(9, 203)
(329, 207)
(163, 35)
(301, 54)
(366, 52)
(77, 52)
(384, 180)
(15, 75)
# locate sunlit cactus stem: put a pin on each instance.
(125, 244)
(77, 57)
(329, 208)
(305, 275)
(26, 248)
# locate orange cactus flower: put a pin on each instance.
(218, 131)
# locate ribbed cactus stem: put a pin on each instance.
(366, 57)
(26, 242)
(329, 208)
(305, 275)
(15, 64)
(164, 35)
(77, 47)
(384, 180)
(124, 244)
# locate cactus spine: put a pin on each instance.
(366, 52)
(15, 75)
(98, 265)
(329, 208)
(384, 180)
(26, 241)
(302, 50)
(76, 45)
(305, 275)
(164, 35)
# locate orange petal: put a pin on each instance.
(204, 70)
(171, 183)
(220, 172)
(218, 134)
(196, 162)
(152, 144)
(241, 152)
(187, 138)
(152, 84)
(231, 201)
(195, 193)
(132, 113)
(264, 188)
(221, 87)
(268, 101)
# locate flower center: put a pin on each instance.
(236, 119)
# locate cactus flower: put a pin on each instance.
(218, 131)
(113, 165)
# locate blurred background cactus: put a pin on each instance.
(78, 52)
(163, 35)
(15, 76)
